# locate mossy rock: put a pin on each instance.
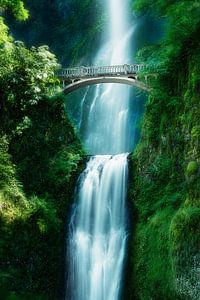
(192, 168)
(195, 133)
(189, 202)
(184, 227)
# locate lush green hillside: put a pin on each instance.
(165, 255)
(40, 159)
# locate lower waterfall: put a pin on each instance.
(98, 230)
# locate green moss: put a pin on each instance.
(184, 227)
(152, 257)
(195, 132)
(192, 168)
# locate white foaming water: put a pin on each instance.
(107, 132)
(98, 230)
(108, 123)
(97, 238)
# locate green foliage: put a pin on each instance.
(40, 159)
(47, 155)
(6, 168)
(184, 229)
(24, 76)
(52, 152)
(181, 28)
(166, 179)
(192, 168)
(158, 6)
(3, 32)
(152, 261)
(195, 133)
(70, 28)
(17, 8)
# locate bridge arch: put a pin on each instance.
(80, 83)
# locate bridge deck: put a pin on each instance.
(85, 72)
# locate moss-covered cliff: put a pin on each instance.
(165, 255)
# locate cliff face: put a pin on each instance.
(165, 255)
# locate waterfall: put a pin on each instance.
(108, 124)
(98, 233)
(98, 227)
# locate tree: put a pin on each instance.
(17, 8)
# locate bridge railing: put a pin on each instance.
(83, 72)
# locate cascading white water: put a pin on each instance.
(108, 129)
(98, 232)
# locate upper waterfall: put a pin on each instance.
(109, 128)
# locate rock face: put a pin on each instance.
(166, 190)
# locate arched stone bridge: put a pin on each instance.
(74, 78)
